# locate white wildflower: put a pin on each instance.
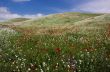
(29, 69)
(68, 66)
(41, 70)
(44, 64)
(47, 68)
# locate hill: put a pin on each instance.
(56, 24)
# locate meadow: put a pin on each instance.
(69, 42)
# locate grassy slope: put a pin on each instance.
(60, 19)
(14, 20)
(58, 23)
(66, 38)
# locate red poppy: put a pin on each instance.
(57, 50)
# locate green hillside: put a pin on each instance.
(61, 19)
(57, 22)
(14, 20)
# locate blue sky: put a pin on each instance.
(39, 6)
(36, 8)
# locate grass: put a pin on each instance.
(13, 21)
(58, 48)
(59, 19)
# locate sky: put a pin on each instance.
(37, 8)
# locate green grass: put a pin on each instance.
(59, 19)
(14, 20)
(84, 50)
(36, 50)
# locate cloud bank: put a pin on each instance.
(95, 6)
(5, 14)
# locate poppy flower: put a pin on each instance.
(57, 50)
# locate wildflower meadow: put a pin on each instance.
(84, 48)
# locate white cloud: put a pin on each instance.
(95, 6)
(3, 10)
(5, 14)
(20, 0)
